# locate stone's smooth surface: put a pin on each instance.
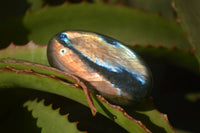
(109, 67)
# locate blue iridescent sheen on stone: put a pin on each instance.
(108, 66)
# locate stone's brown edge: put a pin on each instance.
(124, 113)
(162, 114)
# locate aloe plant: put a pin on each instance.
(38, 98)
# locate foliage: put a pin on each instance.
(165, 36)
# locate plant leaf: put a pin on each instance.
(125, 24)
(28, 79)
(36, 4)
(50, 120)
(20, 65)
(44, 70)
(155, 117)
(172, 56)
(189, 14)
(161, 7)
(30, 52)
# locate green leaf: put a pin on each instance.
(172, 56)
(125, 24)
(189, 14)
(161, 7)
(29, 52)
(51, 121)
(24, 79)
(38, 68)
(36, 4)
(155, 117)
(10, 78)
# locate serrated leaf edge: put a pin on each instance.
(51, 107)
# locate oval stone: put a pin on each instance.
(106, 65)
